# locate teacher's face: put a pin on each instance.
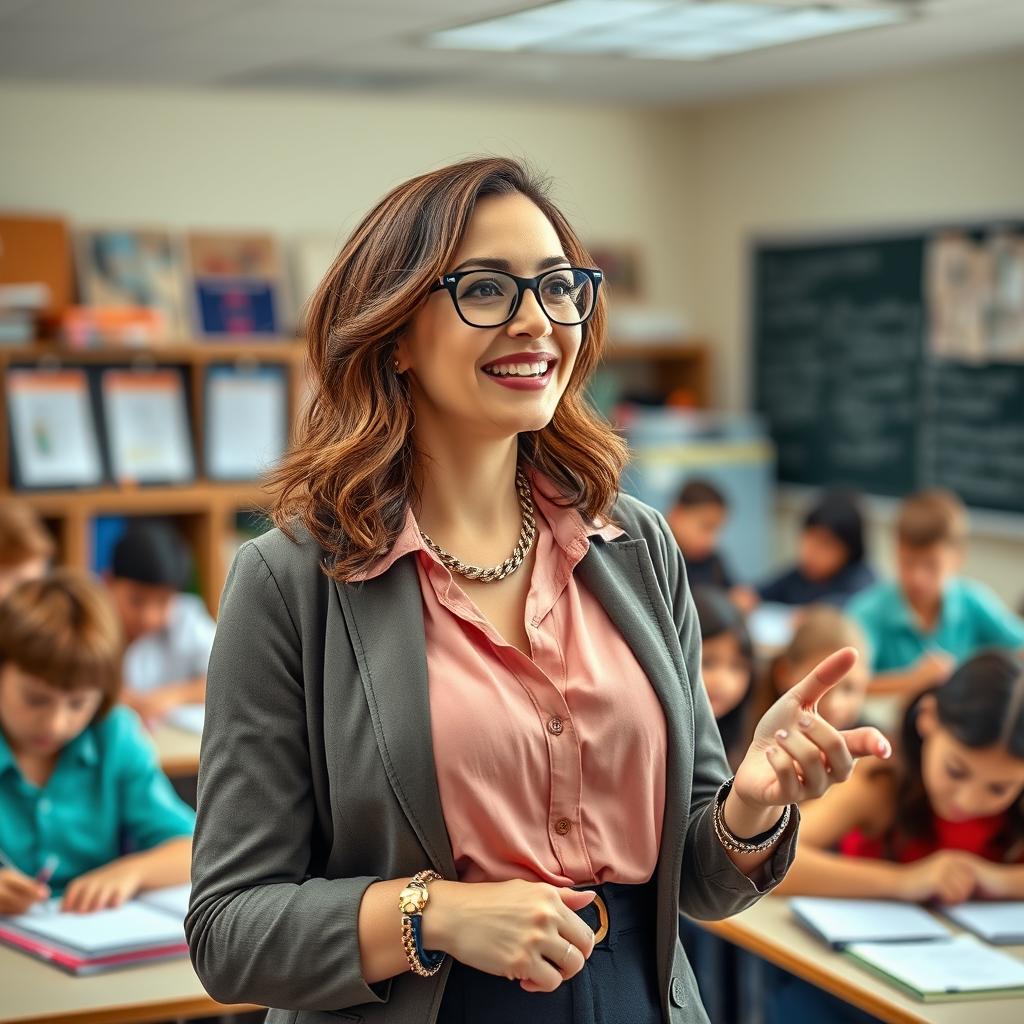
(491, 382)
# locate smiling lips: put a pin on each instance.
(522, 370)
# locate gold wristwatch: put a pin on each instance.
(411, 902)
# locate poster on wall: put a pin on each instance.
(53, 432)
(237, 284)
(147, 426)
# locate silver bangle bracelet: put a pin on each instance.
(732, 842)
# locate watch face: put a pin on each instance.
(412, 900)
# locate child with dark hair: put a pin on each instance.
(832, 561)
(697, 518)
(169, 634)
(945, 821)
(727, 667)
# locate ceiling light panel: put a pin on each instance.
(527, 29)
(679, 30)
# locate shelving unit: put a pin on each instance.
(205, 510)
(665, 367)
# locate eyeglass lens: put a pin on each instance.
(486, 297)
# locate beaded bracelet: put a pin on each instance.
(731, 841)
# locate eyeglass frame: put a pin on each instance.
(449, 282)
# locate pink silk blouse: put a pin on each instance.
(550, 767)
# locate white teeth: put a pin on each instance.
(537, 369)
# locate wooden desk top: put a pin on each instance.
(178, 750)
(34, 992)
(770, 931)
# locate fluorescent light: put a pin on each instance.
(670, 21)
(662, 29)
(527, 29)
(807, 24)
(787, 26)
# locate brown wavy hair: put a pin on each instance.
(63, 629)
(348, 476)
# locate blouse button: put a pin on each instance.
(562, 826)
(555, 726)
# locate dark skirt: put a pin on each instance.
(618, 984)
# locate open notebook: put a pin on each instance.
(960, 967)
(148, 928)
(915, 951)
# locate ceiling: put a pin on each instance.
(377, 45)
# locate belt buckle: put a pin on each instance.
(602, 923)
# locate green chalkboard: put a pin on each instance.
(895, 362)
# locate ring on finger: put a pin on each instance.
(568, 947)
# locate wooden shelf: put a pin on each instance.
(275, 351)
(665, 367)
(665, 351)
(147, 500)
(205, 510)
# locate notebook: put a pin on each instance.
(1001, 923)
(959, 967)
(840, 921)
(142, 930)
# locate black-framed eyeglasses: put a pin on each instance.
(490, 298)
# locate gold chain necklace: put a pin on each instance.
(522, 548)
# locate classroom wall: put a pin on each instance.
(940, 143)
(692, 184)
(313, 162)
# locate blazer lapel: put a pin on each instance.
(620, 575)
(385, 621)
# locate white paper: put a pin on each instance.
(771, 625)
(172, 900)
(131, 926)
(1001, 922)
(960, 964)
(246, 423)
(148, 430)
(189, 717)
(52, 429)
(841, 921)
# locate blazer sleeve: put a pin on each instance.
(259, 929)
(711, 886)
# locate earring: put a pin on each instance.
(398, 366)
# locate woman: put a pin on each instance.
(392, 692)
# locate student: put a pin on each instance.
(821, 630)
(727, 667)
(945, 821)
(26, 549)
(77, 776)
(929, 618)
(169, 634)
(831, 562)
(696, 520)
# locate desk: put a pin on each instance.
(177, 749)
(34, 992)
(770, 931)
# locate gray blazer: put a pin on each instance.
(317, 775)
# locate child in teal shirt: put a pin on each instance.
(78, 778)
(929, 619)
